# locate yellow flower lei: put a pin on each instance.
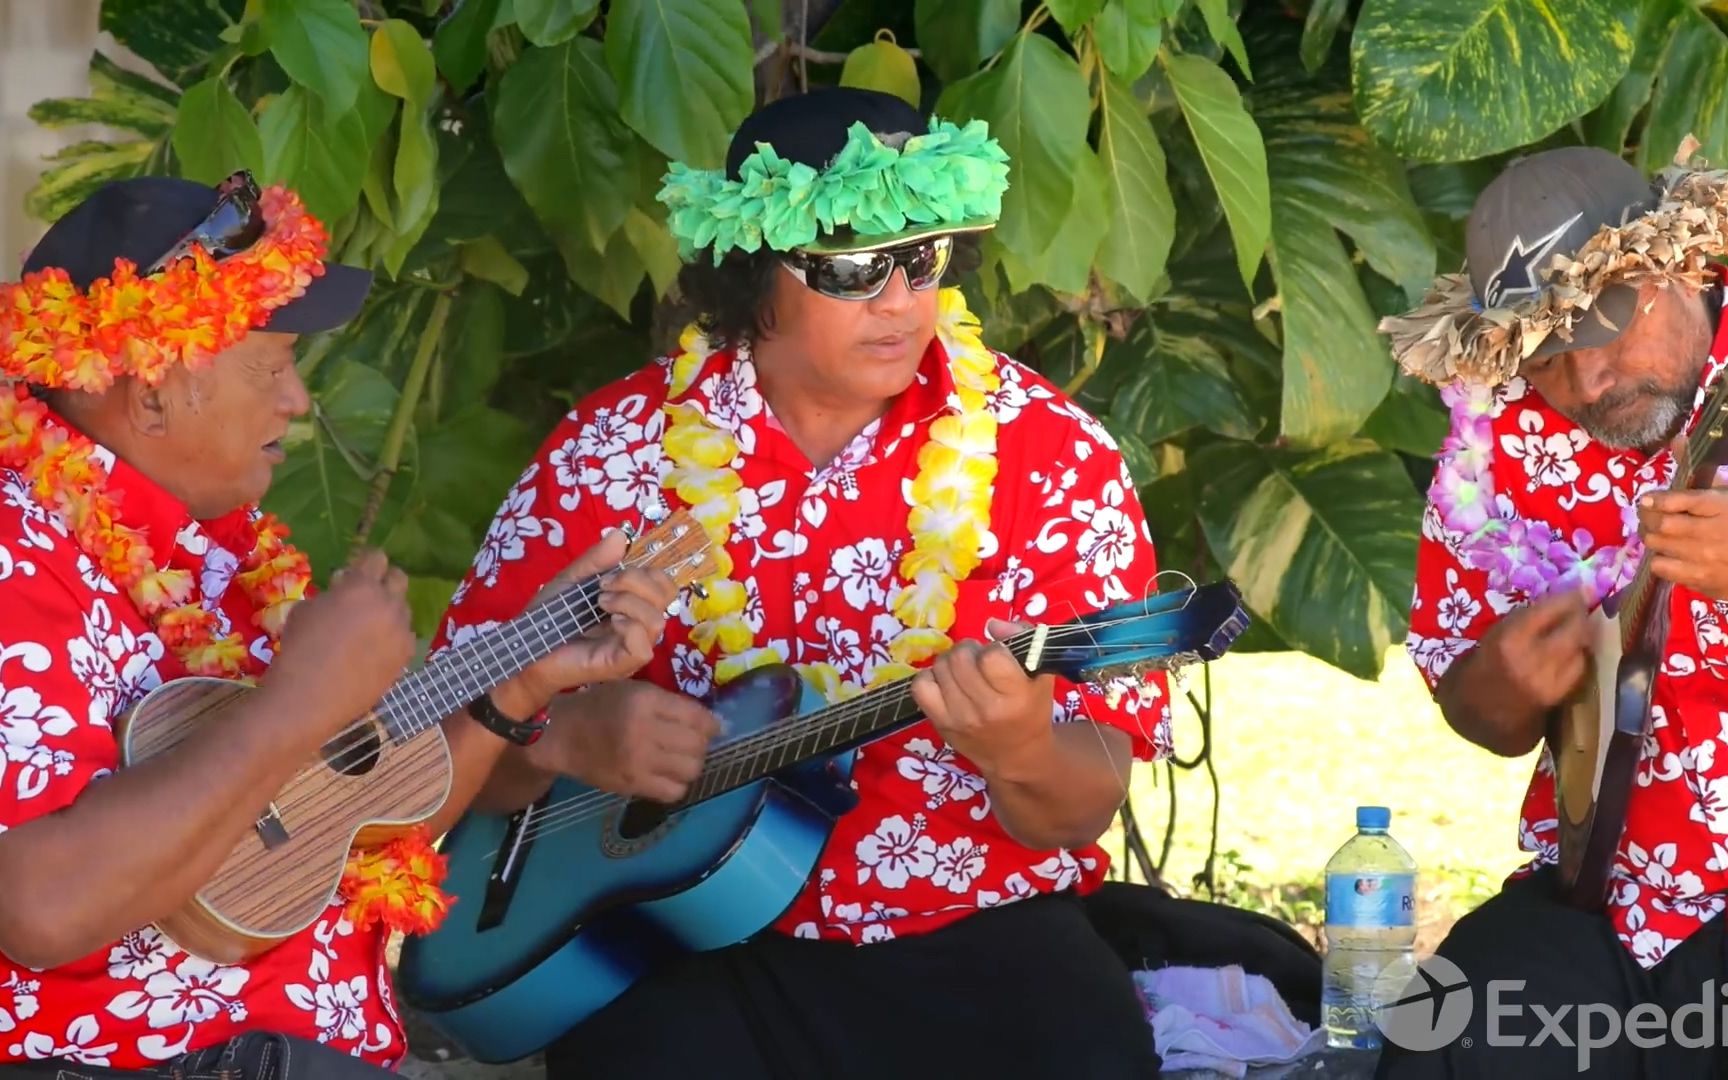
(950, 512)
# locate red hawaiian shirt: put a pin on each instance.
(1524, 502)
(74, 656)
(817, 548)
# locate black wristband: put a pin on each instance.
(520, 732)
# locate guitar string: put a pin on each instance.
(753, 745)
(556, 621)
(576, 809)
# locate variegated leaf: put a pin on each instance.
(1323, 545)
(1691, 96)
(80, 169)
(118, 99)
(1448, 80)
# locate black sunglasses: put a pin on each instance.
(234, 224)
(863, 275)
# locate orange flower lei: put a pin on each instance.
(54, 335)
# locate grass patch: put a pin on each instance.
(1298, 745)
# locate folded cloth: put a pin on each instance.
(1221, 1019)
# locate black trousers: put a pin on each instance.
(1579, 979)
(256, 1055)
(1024, 990)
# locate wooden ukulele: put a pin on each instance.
(378, 778)
(1597, 736)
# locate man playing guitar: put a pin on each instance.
(888, 492)
(1583, 340)
(147, 378)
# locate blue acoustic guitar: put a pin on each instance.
(560, 907)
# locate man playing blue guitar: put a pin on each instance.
(1587, 334)
(889, 493)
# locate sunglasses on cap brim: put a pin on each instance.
(233, 225)
(863, 275)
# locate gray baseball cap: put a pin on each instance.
(1545, 205)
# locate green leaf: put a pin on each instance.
(214, 135)
(1231, 146)
(1142, 212)
(613, 276)
(321, 490)
(956, 36)
(415, 180)
(486, 259)
(1223, 30)
(1071, 15)
(1411, 419)
(319, 154)
(1691, 95)
(1448, 80)
(553, 22)
(1610, 124)
(1065, 264)
(321, 46)
(1035, 102)
(1322, 545)
(118, 99)
(883, 66)
(767, 13)
(178, 37)
(699, 47)
(377, 109)
(82, 168)
(459, 43)
(473, 348)
(428, 599)
(402, 65)
(1178, 382)
(556, 122)
(656, 248)
(1319, 29)
(1127, 33)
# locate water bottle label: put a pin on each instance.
(1368, 900)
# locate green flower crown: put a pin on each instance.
(950, 176)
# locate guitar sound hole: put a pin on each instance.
(639, 819)
(354, 752)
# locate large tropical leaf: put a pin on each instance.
(459, 44)
(214, 134)
(1127, 33)
(684, 70)
(177, 36)
(321, 45)
(1177, 381)
(1691, 96)
(1323, 545)
(1142, 212)
(1233, 150)
(558, 130)
(319, 154)
(78, 170)
(1035, 102)
(118, 99)
(1610, 125)
(1447, 80)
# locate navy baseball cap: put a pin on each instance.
(143, 218)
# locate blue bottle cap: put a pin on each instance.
(1373, 817)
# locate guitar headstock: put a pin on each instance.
(677, 546)
(1163, 632)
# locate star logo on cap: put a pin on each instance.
(1516, 276)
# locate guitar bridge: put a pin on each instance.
(512, 853)
(270, 828)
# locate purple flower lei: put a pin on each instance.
(1522, 557)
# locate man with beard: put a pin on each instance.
(1579, 345)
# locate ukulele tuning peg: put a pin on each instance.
(700, 592)
(629, 531)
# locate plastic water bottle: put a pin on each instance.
(1370, 930)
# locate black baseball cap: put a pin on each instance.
(141, 219)
(1545, 205)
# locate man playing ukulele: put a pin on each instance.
(1581, 343)
(147, 379)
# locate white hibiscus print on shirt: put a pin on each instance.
(1548, 459)
(1456, 611)
(336, 1007)
(1107, 544)
(936, 772)
(196, 990)
(80, 1044)
(117, 666)
(22, 993)
(959, 864)
(140, 954)
(862, 573)
(897, 851)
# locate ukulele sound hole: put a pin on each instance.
(354, 752)
(639, 819)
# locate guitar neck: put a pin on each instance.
(843, 726)
(422, 699)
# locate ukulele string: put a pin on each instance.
(577, 809)
(579, 603)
